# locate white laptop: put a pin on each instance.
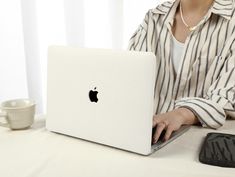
(104, 96)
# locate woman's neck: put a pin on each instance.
(198, 6)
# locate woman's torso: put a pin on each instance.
(202, 57)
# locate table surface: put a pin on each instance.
(36, 152)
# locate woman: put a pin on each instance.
(194, 44)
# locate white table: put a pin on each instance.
(37, 152)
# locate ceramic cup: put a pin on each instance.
(19, 114)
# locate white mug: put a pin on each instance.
(19, 114)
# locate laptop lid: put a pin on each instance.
(100, 95)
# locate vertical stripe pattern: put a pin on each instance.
(205, 81)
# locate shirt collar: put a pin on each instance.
(222, 8)
(164, 8)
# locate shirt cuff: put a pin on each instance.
(209, 113)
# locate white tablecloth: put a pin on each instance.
(36, 152)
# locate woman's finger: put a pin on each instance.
(160, 127)
(156, 120)
(168, 133)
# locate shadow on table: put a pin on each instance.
(39, 123)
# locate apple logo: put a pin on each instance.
(93, 95)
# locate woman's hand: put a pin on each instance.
(172, 121)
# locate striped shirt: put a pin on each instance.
(205, 80)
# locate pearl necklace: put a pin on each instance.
(190, 28)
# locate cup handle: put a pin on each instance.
(3, 114)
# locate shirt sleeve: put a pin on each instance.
(219, 102)
(138, 39)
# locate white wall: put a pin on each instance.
(134, 13)
(51, 31)
(12, 58)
